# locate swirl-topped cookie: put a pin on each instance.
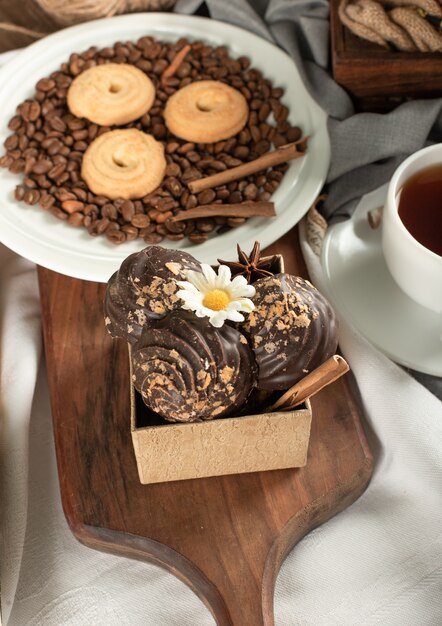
(206, 111)
(187, 370)
(144, 289)
(112, 94)
(124, 164)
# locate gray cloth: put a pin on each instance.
(366, 148)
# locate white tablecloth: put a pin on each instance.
(377, 563)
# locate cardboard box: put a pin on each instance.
(232, 445)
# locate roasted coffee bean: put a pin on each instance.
(19, 192)
(191, 202)
(17, 166)
(250, 192)
(29, 183)
(163, 217)
(11, 142)
(70, 206)
(173, 169)
(29, 165)
(198, 237)
(131, 232)
(175, 236)
(234, 222)
(92, 210)
(15, 122)
(110, 211)
(174, 186)
(261, 147)
(6, 161)
(175, 227)
(139, 220)
(222, 194)
(205, 224)
(80, 193)
(32, 196)
(58, 213)
(116, 237)
(127, 210)
(56, 171)
(46, 201)
(76, 219)
(153, 238)
(235, 197)
(30, 110)
(206, 197)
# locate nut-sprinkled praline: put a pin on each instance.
(144, 289)
(186, 370)
(292, 330)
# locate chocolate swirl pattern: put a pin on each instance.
(125, 164)
(143, 290)
(292, 330)
(186, 370)
(112, 94)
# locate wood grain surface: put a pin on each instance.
(227, 536)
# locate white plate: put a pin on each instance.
(364, 293)
(47, 241)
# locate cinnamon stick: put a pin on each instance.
(242, 209)
(282, 154)
(327, 373)
(176, 62)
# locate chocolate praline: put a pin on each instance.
(144, 289)
(292, 330)
(186, 370)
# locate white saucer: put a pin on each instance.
(363, 292)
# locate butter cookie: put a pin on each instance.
(112, 94)
(124, 163)
(206, 111)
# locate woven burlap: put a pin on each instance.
(403, 26)
(67, 13)
(426, 38)
(371, 14)
(432, 7)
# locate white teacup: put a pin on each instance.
(417, 270)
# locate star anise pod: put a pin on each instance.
(253, 266)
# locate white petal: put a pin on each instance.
(192, 300)
(210, 275)
(185, 286)
(218, 319)
(224, 276)
(235, 316)
(197, 279)
(239, 281)
(206, 311)
(245, 304)
(200, 312)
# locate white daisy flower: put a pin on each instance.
(216, 296)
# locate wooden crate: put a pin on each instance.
(379, 79)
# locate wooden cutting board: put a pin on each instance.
(227, 536)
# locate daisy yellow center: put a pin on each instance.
(217, 299)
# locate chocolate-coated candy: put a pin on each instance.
(186, 370)
(144, 289)
(292, 330)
